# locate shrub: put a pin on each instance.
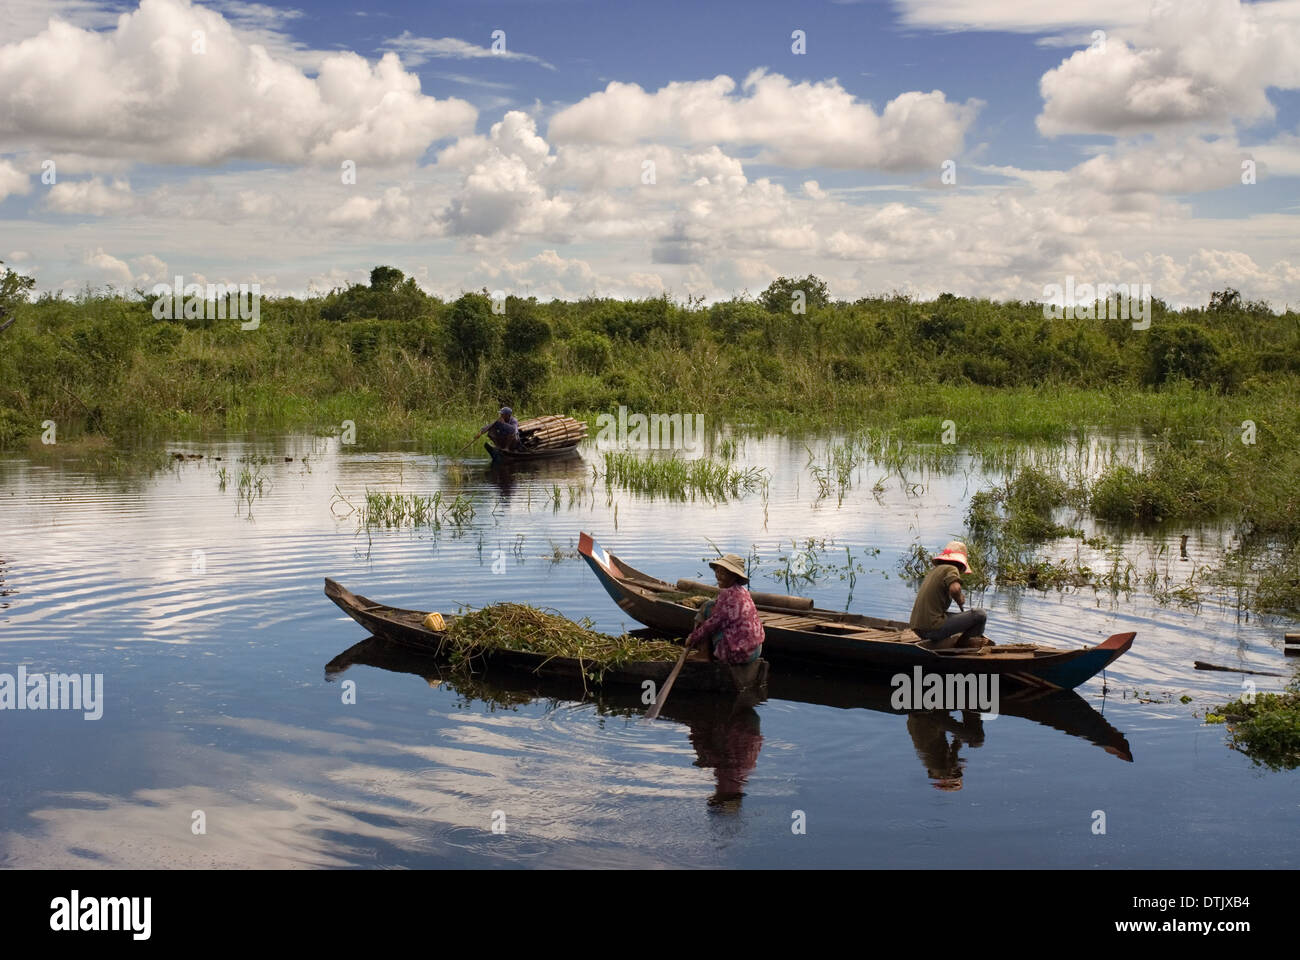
(1124, 494)
(592, 351)
(1183, 351)
(474, 331)
(518, 377)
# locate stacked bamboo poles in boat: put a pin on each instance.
(553, 431)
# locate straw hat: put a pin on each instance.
(956, 553)
(732, 564)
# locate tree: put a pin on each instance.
(13, 288)
(780, 294)
(474, 331)
(1228, 299)
(385, 278)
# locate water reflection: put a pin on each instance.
(941, 758)
(726, 733)
(507, 476)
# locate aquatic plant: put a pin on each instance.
(681, 479)
(1265, 728)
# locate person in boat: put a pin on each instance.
(941, 586)
(503, 431)
(728, 626)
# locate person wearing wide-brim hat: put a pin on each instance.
(941, 586)
(729, 622)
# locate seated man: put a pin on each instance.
(504, 431)
(729, 627)
(941, 586)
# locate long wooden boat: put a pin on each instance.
(799, 635)
(1062, 710)
(406, 627)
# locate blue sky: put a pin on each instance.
(524, 171)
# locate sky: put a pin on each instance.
(546, 148)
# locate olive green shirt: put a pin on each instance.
(932, 600)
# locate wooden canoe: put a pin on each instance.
(799, 635)
(524, 456)
(406, 628)
(542, 438)
(1062, 710)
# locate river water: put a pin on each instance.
(225, 742)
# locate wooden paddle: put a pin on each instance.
(668, 684)
(467, 446)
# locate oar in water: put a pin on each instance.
(668, 684)
(467, 446)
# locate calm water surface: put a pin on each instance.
(203, 610)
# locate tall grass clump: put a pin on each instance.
(680, 479)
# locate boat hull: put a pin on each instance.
(526, 456)
(816, 639)
(406, 628)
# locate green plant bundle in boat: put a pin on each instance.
(517, 626)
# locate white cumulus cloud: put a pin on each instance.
(793, 124)
(175, 83)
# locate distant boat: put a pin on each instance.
(801, 635)
(542, 438)
(406, 627)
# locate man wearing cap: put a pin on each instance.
(730, 621)
(941, 586)
(504, 431)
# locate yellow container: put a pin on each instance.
(434, 621)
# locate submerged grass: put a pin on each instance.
(388, 509)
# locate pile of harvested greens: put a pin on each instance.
(516, 626)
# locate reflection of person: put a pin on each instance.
(729, 622)
(929, 732)
(730, 746)
(504, 431)
(941, 586)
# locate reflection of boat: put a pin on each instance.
(542, 438)
(1062, 710)
(724, 730)
(799, 634)
(407, 627)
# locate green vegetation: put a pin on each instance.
(516, 626)
(680, 479)
(399, 364)
(1267, 730)
(388, 509)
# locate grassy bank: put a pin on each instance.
(407, 368)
